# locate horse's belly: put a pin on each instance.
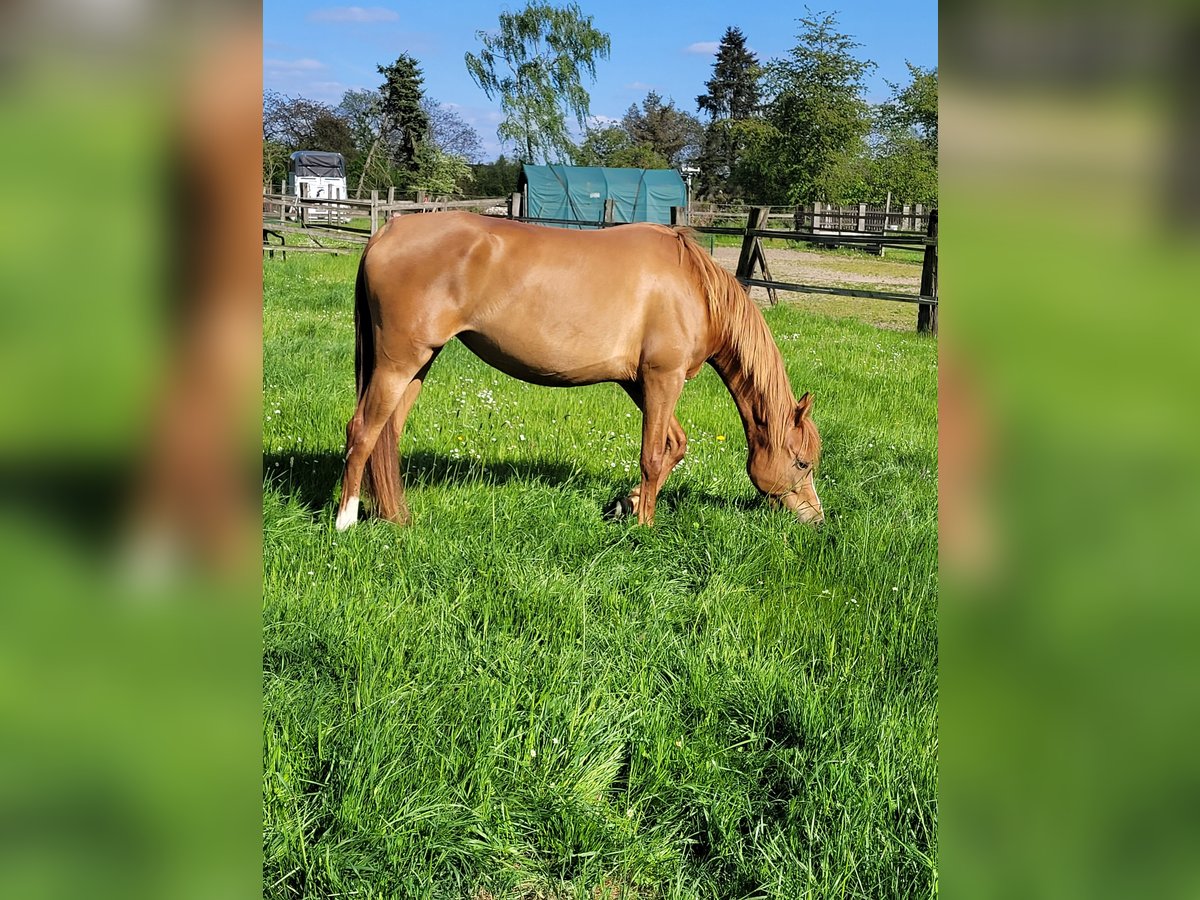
(534, 358)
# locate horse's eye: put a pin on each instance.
(800, 464)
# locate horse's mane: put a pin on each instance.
(747, 351)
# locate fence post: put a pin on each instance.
(754, 220)
(927, 313)
(752, 251)
(374, 210)
(514, 205)
(610, 206)
(679, 215)
(862, 217)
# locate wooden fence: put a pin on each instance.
(855, 218)
(346, 220)
(752, 260)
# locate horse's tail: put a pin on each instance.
(381, 477)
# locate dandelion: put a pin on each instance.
(720, 437)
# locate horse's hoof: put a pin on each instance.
(620, 508)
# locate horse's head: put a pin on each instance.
(785, 474)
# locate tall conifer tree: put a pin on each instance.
(732, 96)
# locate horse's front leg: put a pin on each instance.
(676, 449)
(660, 394)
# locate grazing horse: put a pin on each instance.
(641, 305)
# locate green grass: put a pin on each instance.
(515, 698)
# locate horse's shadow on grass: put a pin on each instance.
(312, 478)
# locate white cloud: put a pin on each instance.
(293, 65)
(639, 86)
(355, 14)
(702, 47)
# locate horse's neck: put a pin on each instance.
(749, 362)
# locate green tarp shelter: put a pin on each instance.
(578, 193)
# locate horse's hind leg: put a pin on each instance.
(387, 390)
(399, 417)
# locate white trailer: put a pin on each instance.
(317, 175)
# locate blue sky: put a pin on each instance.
(319, 49)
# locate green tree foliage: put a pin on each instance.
(439, 174)
(275, 163)
(904, 158)
(401, 98)
(915, 106)
(371, 166)
(672, 134)
(732, 96)
(817, 118)
(496, 179)
(378, 144)
(535, 64)
(612, 145)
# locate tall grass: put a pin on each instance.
(516, 698)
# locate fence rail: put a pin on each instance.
(314, 216)
(894, 217)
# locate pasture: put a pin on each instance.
(514, 698)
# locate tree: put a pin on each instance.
(450, 133)
(819, 119)
(732, 96)
(496, 179)
(401, 99)
(672, 134)
(275, 163)
(438, 173)
(904, 153)
(302, 124)
(915, 107)
(611, 145)
(363, 112)
(535, 64)
(296, 123)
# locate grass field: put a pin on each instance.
(516, 698)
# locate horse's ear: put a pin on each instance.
(804, 407)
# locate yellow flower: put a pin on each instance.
(720, 437)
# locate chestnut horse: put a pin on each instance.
(640, 305)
